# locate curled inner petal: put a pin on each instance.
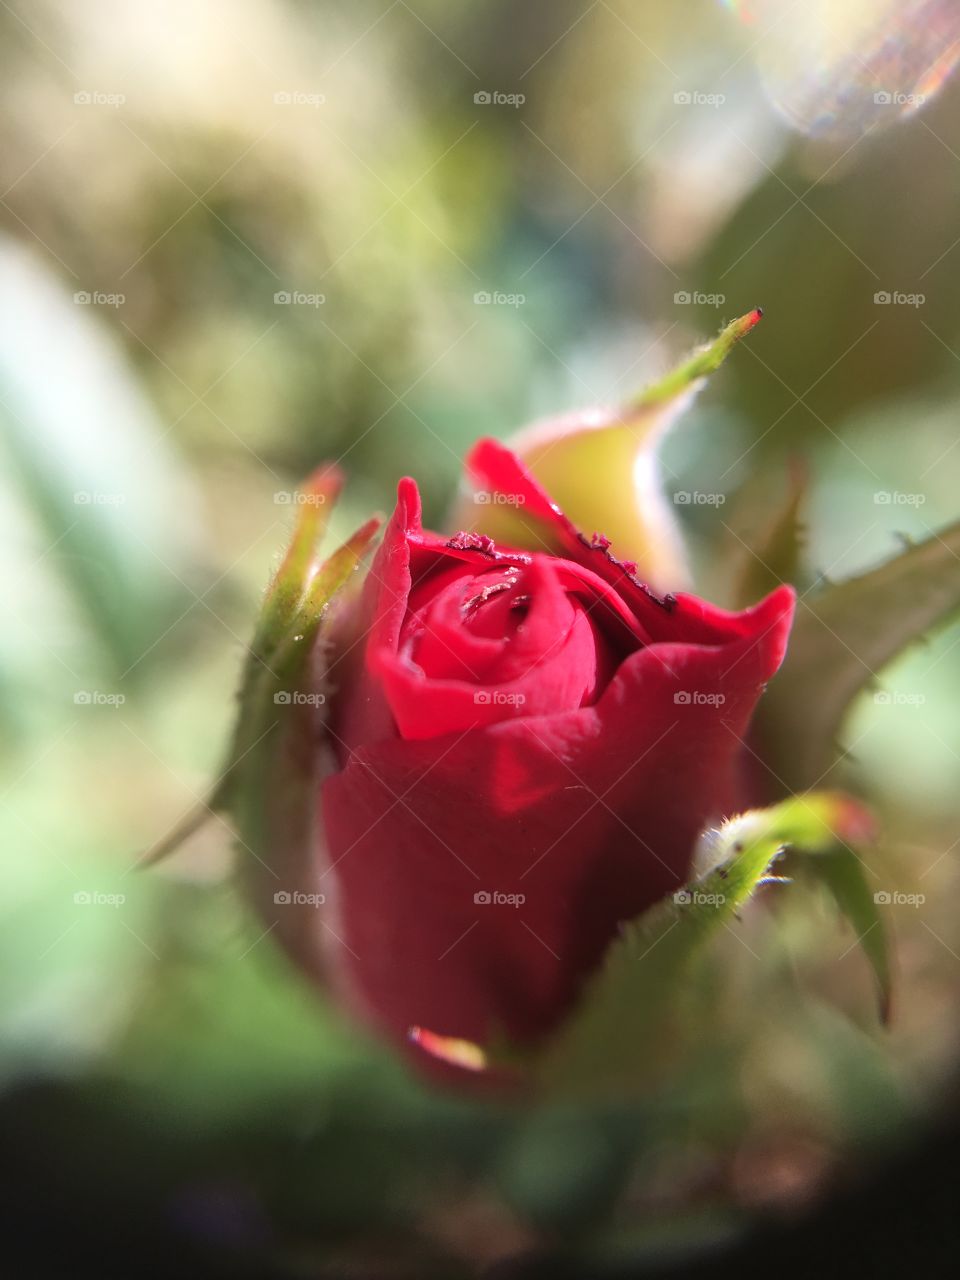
(485, 643)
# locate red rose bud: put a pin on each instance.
(453, 785)
(527, 745)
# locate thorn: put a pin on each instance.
(193, 822)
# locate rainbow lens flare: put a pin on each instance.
(840, 70)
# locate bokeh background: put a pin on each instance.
(238, 239)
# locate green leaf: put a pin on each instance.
(843, 635)
(268, 783)
(841, 873)
(85, 458)
(622, 1033)
(285, 594)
